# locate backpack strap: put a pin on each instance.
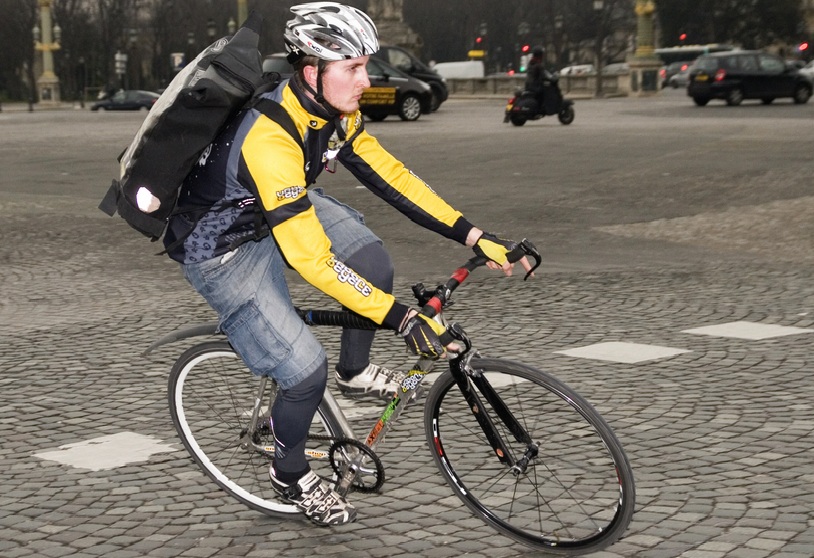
(275, 111)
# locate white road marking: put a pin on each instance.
(628, 353)
(748, 330)
(107, 452)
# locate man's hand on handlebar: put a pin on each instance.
(426, 337)
(501, 253)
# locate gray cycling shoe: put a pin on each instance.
(374, 380)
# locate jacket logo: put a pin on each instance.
(347, 275)
(290, 193)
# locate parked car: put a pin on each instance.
(127, 99)
(391, 91)
(681, 79)
(407, 62)
(578, 70)
(746, 74)
(808, 70)
(277, 63)
(672, 69)
(615, 69)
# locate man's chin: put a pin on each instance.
(349, 107)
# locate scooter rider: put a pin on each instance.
(537, 75)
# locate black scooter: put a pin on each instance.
(525, 105)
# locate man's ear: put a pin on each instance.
(310, 75)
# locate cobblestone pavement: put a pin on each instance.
(719, 435)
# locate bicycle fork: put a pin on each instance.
(465, 376)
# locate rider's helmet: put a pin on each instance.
(330, 31)
(538, 52)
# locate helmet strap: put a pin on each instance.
(318, 96)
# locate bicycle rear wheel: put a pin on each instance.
(576, 495)
(211, 398)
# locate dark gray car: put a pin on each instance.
(748, 74)
(408, 63)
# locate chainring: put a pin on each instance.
(370, 476)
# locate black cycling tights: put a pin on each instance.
(291, 417)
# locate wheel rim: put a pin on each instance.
(570, 497)
(735, 97)
(410, 108)
(211, 404)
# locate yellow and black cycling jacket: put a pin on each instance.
(255, 154)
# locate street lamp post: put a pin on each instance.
(51, 33)
(242, 11)
(211, 29)
(120, 65)
(599, 8)
(644, 64)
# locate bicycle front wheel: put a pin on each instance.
(575, 495)
(212, 396)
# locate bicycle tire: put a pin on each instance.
(576, 496)
(211, 395)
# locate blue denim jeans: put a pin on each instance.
(248, 290)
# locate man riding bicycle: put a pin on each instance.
(325, 241)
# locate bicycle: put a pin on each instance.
(523, 451)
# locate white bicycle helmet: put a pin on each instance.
(330, 31)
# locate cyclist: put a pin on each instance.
(325, 241)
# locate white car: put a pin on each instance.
(578, 70)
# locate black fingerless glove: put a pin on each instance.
(496, 249)
(425, 337)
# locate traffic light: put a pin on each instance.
(525, 48)
(802, 47)
(682, 38)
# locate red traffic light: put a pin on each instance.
(525, 48)
(682, 37)
(479, 40)
(803, 46)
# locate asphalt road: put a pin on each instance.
(657, 219)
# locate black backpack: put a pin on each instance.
(224, 78)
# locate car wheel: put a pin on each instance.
(410, 108)
(435, 102)
(734, 97)
(701, 101)
(802, 94)
(767, 100)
